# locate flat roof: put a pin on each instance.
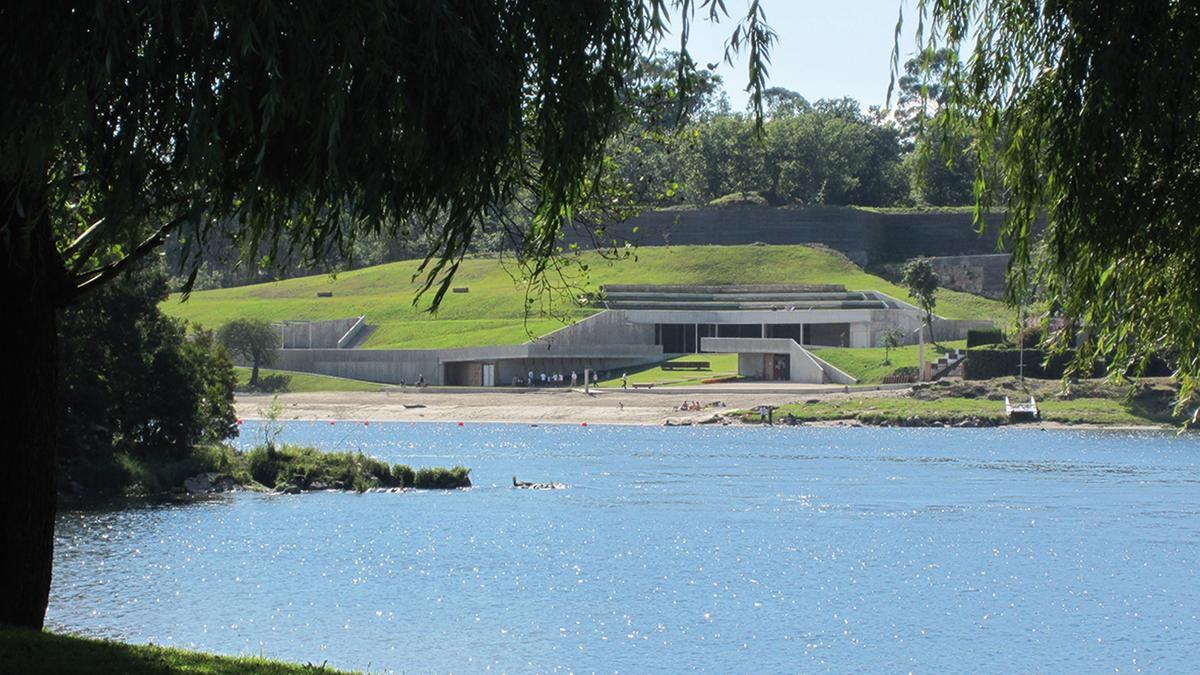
(741, 297)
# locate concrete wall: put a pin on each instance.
(313, 334)
(439, 366)
(611, 326)
(756, 357)
(984, 275)
(864, 237)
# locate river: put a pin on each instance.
(719, 549)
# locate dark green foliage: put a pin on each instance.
(440, 478)
(254, 340)
(404, 475)
(824, 153)
(134, 380)
(1030, 337)
(922, 284)
(126, 474)
(273, 383)
(302, 466)
(1083, 114)
(984, 336)
(984, 363)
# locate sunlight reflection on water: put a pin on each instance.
(726, 549)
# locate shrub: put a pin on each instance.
(441, 478)
(984, 336)
(270, 384)
(1030, 337)
(404, 475)
(984, 363)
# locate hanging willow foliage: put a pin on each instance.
(294, 127)
(1085, 117)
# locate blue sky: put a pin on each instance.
(824, 50)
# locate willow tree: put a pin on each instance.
(1085, 114)
(290, 127)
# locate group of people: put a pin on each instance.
(690, 405)
(544, 379)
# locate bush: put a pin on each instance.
(985, 363)
(440, 478)
(404, 475)
(271, 384)
(984, 336)
(1030, 337)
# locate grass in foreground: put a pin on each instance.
(28, 651)
(308, 382)
(493, 311)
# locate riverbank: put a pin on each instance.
(955, 403)
(30, 651)
(1089, 404)
(214, 469)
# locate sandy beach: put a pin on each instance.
(567, 406)
(536, 406)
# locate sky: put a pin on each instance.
(824, 49)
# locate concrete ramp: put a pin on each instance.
(762, 358)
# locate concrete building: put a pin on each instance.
(775, 330)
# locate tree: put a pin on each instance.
(135, 380)
(922, 90)
(922, 284)
(891, 340)
(290, 128)
(254, 340)
(1086, 111)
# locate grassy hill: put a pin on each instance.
(493, 312)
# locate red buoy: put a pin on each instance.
(584, 424)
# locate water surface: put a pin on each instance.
(714, 549)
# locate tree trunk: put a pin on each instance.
(253, 374)
(29, 271)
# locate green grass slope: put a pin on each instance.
(307, 382)
(28, 651)
(493, 312)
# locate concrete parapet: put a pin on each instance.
(315, 334)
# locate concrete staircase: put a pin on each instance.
(947, 363)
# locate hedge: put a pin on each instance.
(984, 336)
(984, 363)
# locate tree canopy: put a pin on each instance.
(254, 340)
(1085, 114)
(291, 129)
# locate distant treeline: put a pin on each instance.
(684, 145)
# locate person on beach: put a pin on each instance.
(574, 378)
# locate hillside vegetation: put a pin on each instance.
(493, 311)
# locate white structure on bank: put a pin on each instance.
(775, 330)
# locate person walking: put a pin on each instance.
(624, 380)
